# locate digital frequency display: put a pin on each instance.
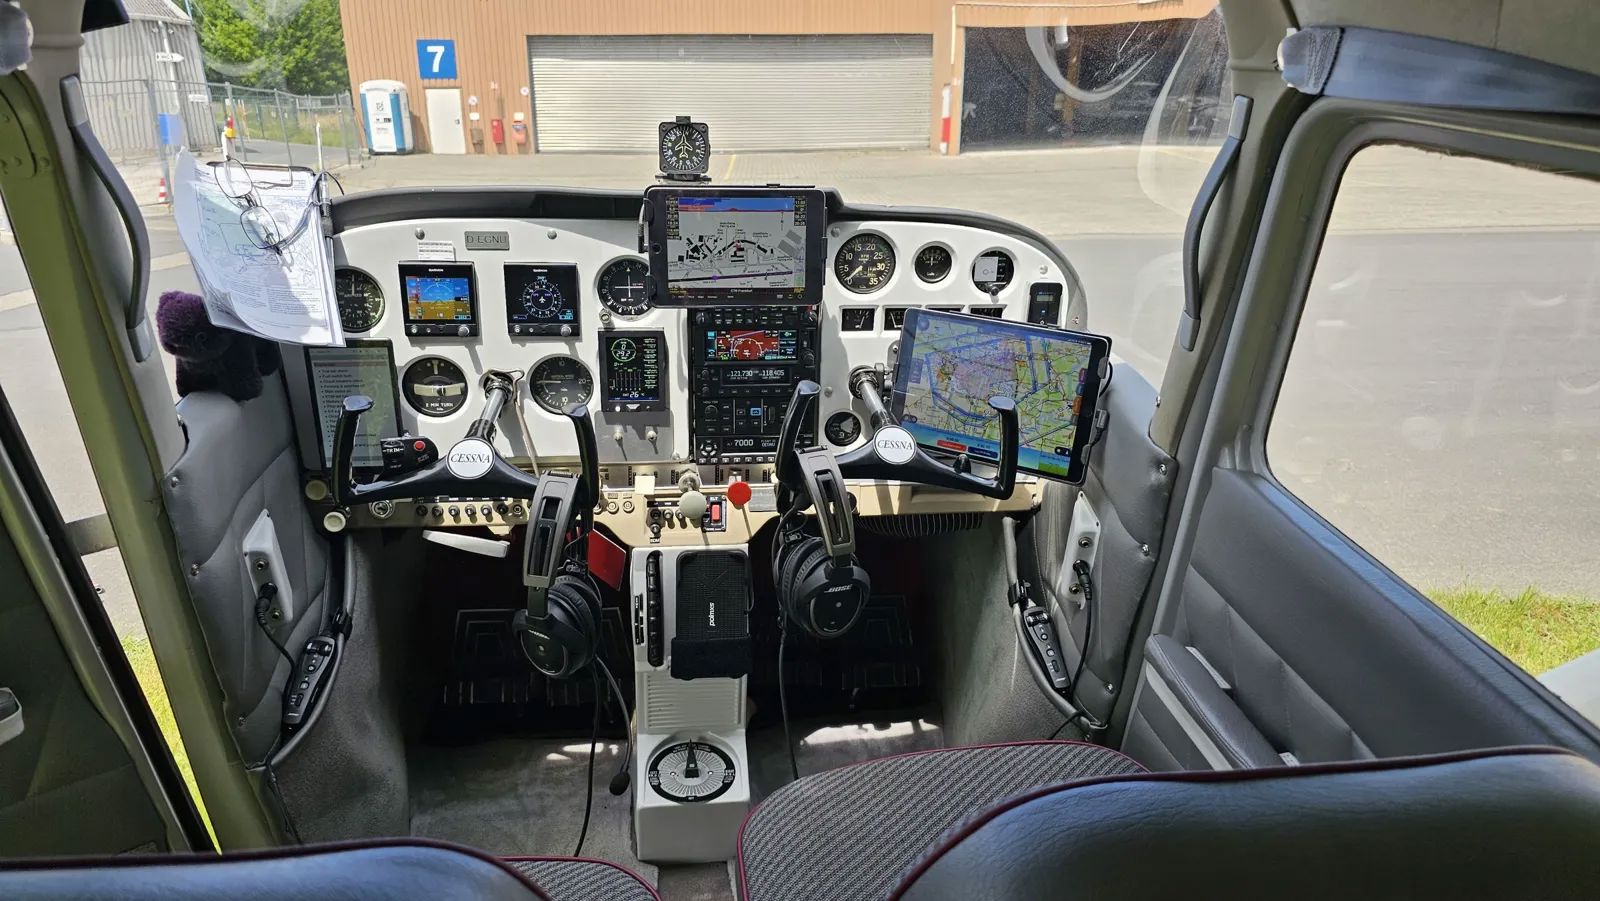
(632, 368)
(752, 345)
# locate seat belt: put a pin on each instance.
(1389, 66)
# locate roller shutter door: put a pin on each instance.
(757, 92)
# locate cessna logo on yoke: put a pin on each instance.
(471, 458)
(894, 444)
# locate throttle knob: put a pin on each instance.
(692, 505)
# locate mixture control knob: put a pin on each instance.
(739, 493)
(463, 331)
(692, 505)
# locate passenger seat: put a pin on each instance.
(1495, 824)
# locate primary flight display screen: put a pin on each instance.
(735, 246)
(440, 298)
(951, 364)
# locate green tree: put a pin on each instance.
(293, 45)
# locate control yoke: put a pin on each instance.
(472, 468)
(891, 453)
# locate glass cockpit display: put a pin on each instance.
(951, 364)
(736, 246)
(632, 365)
(542, 299)
(440, 299)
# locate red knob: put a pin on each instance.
(739, 494)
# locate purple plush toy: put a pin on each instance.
(211, 358)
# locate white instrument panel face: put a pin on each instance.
(591, 246)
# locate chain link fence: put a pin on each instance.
(143, 122)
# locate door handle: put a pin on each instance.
(10, 715)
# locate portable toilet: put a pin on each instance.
(386, 117)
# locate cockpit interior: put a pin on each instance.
(711, 540)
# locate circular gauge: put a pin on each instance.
(542, 299)
(624, 287)
(685, 147)
(360, 299)
(864, 263)
(623, 350)
(933, 263)
(557, 383)
(992, 271)
(691, 771)
(434, 386)
(843, 428)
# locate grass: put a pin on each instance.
(1537, 631)
(155, 691)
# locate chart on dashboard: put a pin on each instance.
(958, 366)
(736, 242)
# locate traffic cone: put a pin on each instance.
(161, 192)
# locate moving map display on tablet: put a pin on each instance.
(951, 364)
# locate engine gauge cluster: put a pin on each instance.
(542, 300)
(864, 263)
(359, 297)
(556, 383)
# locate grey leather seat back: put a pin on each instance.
(1514, 823)
(240, 463)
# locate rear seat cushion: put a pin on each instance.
(850, 833)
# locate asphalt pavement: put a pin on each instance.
(1443, 402)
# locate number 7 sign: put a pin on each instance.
(436, 59)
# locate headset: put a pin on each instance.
(559, 630)
(821, 586)
(560, 627)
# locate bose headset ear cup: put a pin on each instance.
(831, 596)
(792, 557)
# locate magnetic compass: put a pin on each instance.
(691, 771)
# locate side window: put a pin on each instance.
(1441, 405)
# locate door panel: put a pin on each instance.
(1309, 642)
(444, 121)
(74, 776)
(1128, 488)
(241, 471)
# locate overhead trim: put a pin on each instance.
(1393, 67)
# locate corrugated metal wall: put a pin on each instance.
(491, 35)
(756, 92)
(117, 63)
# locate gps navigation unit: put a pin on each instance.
(951, 364)
(735, 246)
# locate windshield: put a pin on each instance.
(1090, 123)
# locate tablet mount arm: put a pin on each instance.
(890, 452)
